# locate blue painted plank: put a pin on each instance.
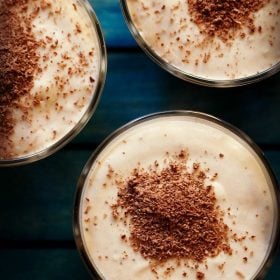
(36, 200)
(48, 264)
(274, 272)
(113, 23)
(136, 86)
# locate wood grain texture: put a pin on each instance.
(48, 264)
(113, 24)
(136, 86)
(36, 200)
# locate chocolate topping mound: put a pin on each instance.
(18, 62)
(171, 212)
(224, 17)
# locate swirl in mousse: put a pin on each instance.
(51, 71)
(177, 196)
(212, 40)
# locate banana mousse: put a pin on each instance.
(211, 39)
(177, 197)
(49, 70)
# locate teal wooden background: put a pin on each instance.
(36, 201)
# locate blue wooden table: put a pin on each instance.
(36, 201)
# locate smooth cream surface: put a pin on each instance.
(68, 73)
(170, 33)
(241, 184)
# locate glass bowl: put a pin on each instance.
(110, 155)
(189, 75)
(92, 95)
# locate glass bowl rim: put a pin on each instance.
(96, 95)
(275, 192)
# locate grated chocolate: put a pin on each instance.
(172, 212)
(223, 18)
(18, 62)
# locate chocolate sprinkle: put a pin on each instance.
(172, 213)
(18, 63)
(223, 18)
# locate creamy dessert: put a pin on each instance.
(214, 40)
(177, 197)
(49, 73)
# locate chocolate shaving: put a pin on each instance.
(222, 18)
(172, 213)
(18, 62)
(200, 275)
